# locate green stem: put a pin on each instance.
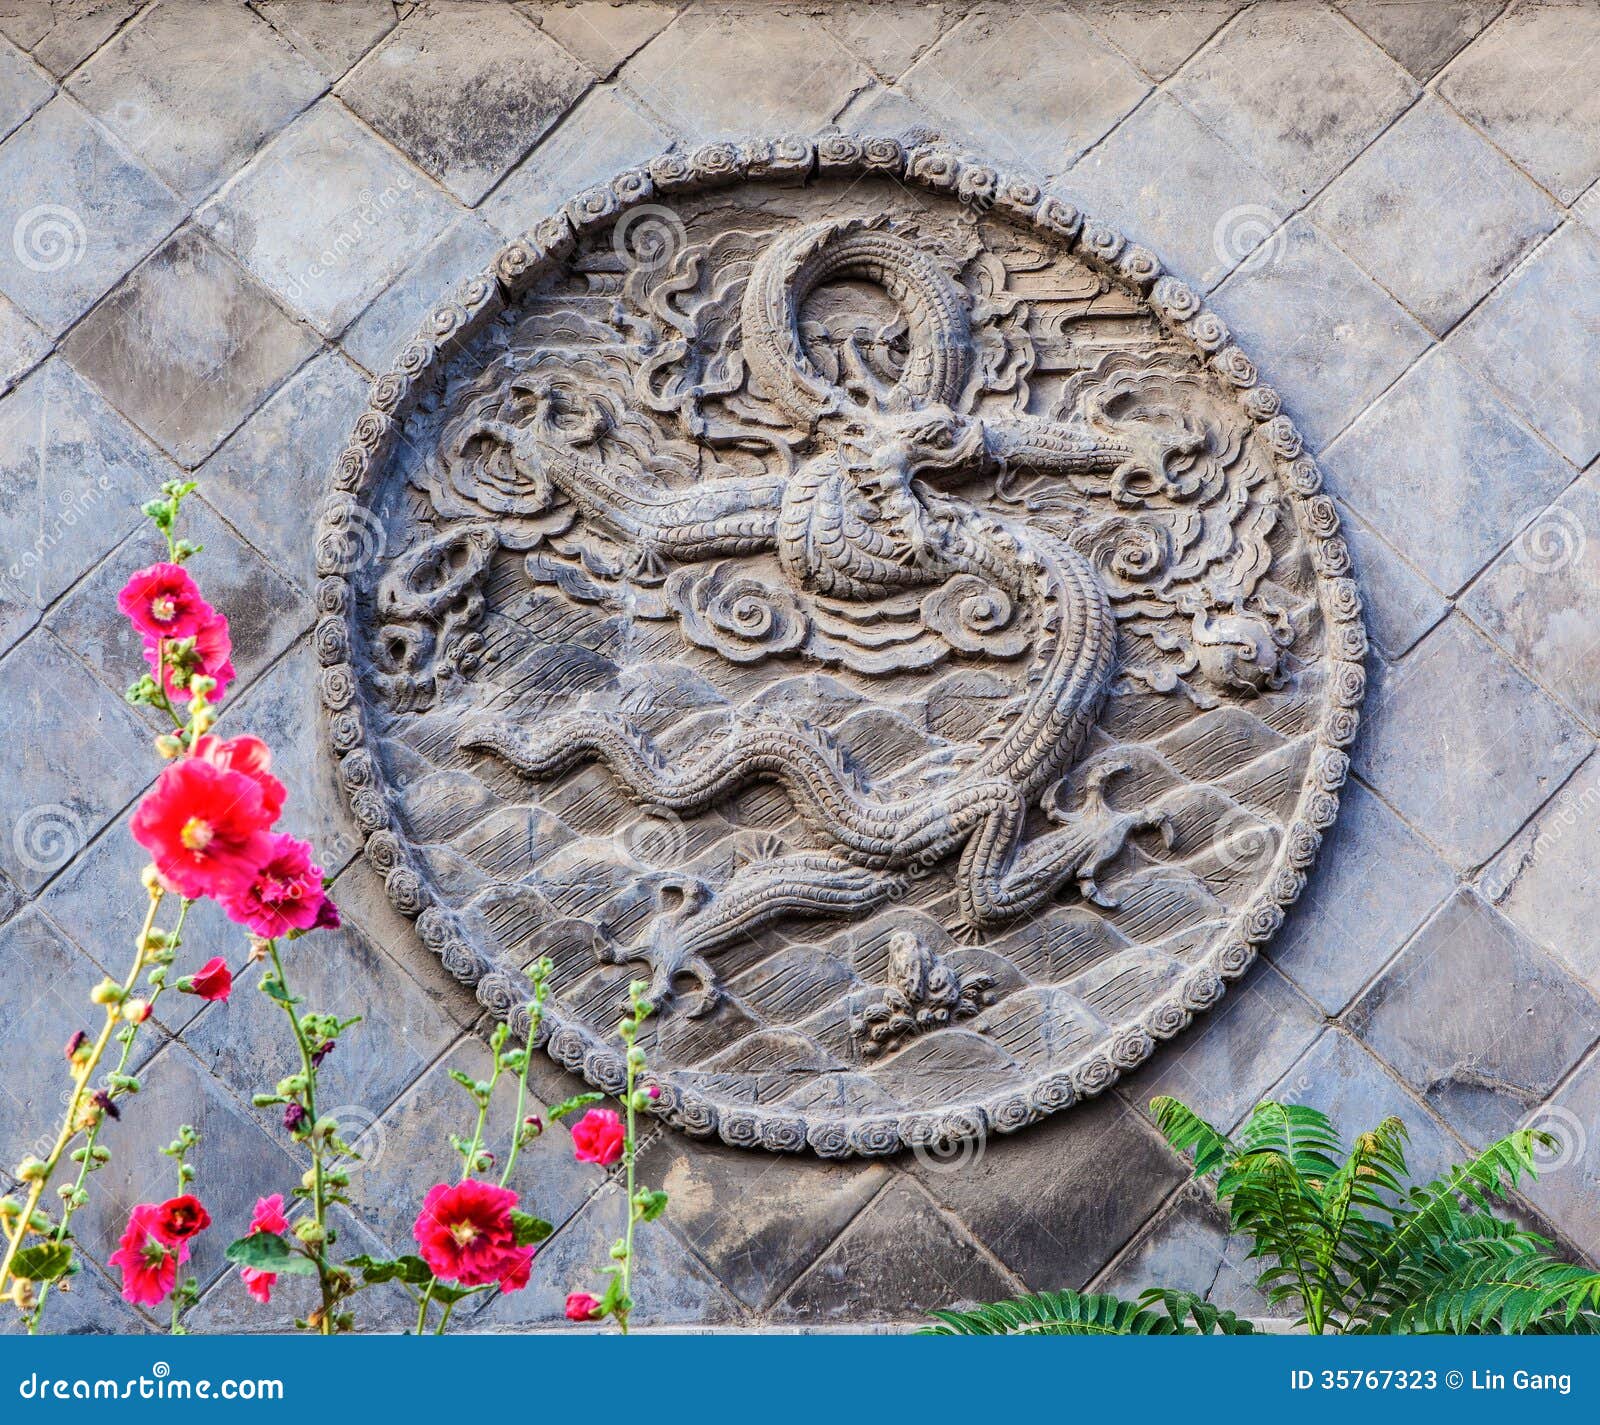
(422, 1308)
(444, 1317)
(633, 1207)
(319, 1204)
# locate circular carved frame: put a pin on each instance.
(501, 987)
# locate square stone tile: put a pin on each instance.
(1187, 1246)
(1444, 470)
(1297, 90)
(1037, 1198)
(195, 88)
(331, 37)
(1398, 603)
(1541, 600)
(1319, 328)
(700, 73)
(22, 346)
(73, 475)
(327, 216)
(1548, 879)
(1032, 88)
(607, 131)
(1166, 180)
(1423, 35)
(1226, 1061)
(280, 459)
(1527, 83)
(61, 34)
(899, 1259)
(1462, 745)
(892, 34)
(78, 213)
(188, 346)
(1569, 1173)
(264, 612)
(22, 88)
(1374, 884)
(893, 112)
(1156, 35)
(757, 1219)
(1538, 337)
(599, 32)
(1434, 213)
(465, 91)
(61, 799)
(1476, 1019)
(1340, 1077)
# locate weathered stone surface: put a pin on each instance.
(22, 89)
(61, 34)
(1156, 35)
(1377, 884)
(1423, 37)
(1167, 180)
(1434, 213)
(89, 1305)
(22, 346)
(600, 32)
(465, 135)
(72, 473)
(331, 37)
(896, 1256)
(1538, 334)
(1039, 1200)
(1187, 1246)
(327, 216)
(1345, 92)
(892, 34)
(1539, 601)
(1456, 704)
(1521, 85)
(1400, 605)
(756, 1221)
(1329, 338)
(1481, 1023)
(77, 213)
(159, 86)
(280, 459)
(1547, 880)
(1030, 89)
(1569, 1170)
(187, 347)
(1453, 499)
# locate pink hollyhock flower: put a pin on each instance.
(148, 1262)
(211, 655)
(212, 981)
(515, 1275)
(268, 1217)
(582, 1307)
(464, 1232)
(204, 827)
(598, 1137)
(182, 1218)
(164, 602)
(284, 894)
(250, 757)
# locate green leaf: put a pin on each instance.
(573, 1104)
(529, 1229)
(374, 1270)
(268, 1252)
(652, 1203)
(43, 1262)
(1070, 1313)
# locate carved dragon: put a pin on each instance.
(861, 520)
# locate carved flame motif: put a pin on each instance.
(861, 614)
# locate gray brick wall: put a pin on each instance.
(219, 220)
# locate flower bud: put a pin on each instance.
(311, 1232)
(77, 1050)
(136, 1011)
(150, 878)
(169, 746)
(308, 1179)
(31, 1170)
(107, 992)
(654, 1091)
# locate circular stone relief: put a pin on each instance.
(864, 598)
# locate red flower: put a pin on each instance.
(582, 1307)
(211, 655)
(284, 894)
(514, 1276)
(465, 1234)
(182, 1217)
(164, 602)
(212, 981)
(250, 757)
(148, 1262)
(597, 1137)
(204, 826)
(268, 1217)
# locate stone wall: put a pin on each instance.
(220, 220)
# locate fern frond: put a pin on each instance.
(1194, 1315)
(1505, 1295)
(1066, 1313)
(1187, 1132)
